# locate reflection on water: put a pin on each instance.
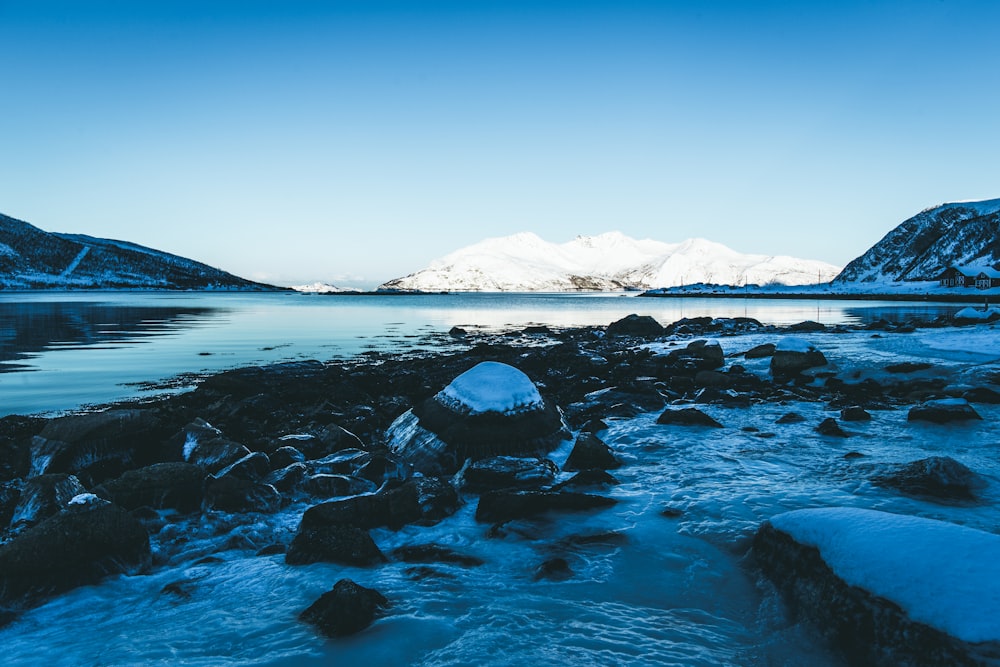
(29, 328)
(84, 347)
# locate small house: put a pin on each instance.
(987, 278)
(958, 276)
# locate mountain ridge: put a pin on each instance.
(31, 258)
(605, 262)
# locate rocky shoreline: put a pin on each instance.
(394, 440)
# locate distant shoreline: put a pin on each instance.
(830, 296)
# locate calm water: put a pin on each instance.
(61, 351)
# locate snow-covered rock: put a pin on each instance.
(887, 588)
(490, 410)
(922, 247)
(612, 261)
(32, 258)
(792, 355)
(323, 288)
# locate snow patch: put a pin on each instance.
(794, 344)
(491, 387)
(942, 574)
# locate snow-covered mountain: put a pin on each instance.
(32, 258)
(920, 248)
(612, 261)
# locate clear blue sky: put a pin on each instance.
(356, 141)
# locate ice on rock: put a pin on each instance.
(794, 344)
(491, 387)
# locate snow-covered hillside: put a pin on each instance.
(920, 248)
(32, 258)
(612, 261)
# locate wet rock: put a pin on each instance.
(712, 379)
(790, 418)
(288, 478)
(345, 609)
(587, 479)
(640, 326)
(240, 487)
(10, 494)
(434, 553)
(505, 504)
(423, 500)
(16, 432)
(554, 569)
(492, 409)
(807, 326)
(937, 476)
(760, 351)
(44, 496)
(702, 355)
(78, 546)
(285, 456)
(175, 485)
(866, 627)
(332, 486)
(590, 452)
(855, 413)
(381, 468)
(272, 550)
(457, 332)
(908, 367)
(943, 411)
(323, 441)
(345, 462)
(982, 395)
(506, 472)
(687, 417)
(96, 446)
(204, 445)
(345, 545)
(830, 427)
(536, 330)
(794, 355)
(253, 467)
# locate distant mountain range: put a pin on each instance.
(922, 247)
(612, 261)
(33, 258)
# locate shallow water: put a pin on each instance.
(651, 590)
(63, 350)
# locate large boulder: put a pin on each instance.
(507, 472)
(793, 355)
(423, 500)
(943, 411)
(888, 589)
(640, 326)
(173, 485)
(702, 355)
(82, 544)
(345, 609)
(687, 417)
(505, 505)
(346, 545)
(492, 409)
(96, 446)
(591, 453)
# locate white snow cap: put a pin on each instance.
(491, 387)
(794, 344)
(940, 573)
(84, 499)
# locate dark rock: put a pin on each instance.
(640, 326)
(174, 485)
(505, 505)
(908, 367)
(382, 468)
(345, 462)
(554, 569)
(590, 452)
(982, 395)
(434, 553)
(10, 494)
(760, 351)
(853, 455)
(206, 447)
(272, 550)
(288, 478)
(687, 417)
(459, 423)
(829, 426)
(597, 425)
(44, 496)
(790, 418)
(345, 610)
(76, 547)
(537, 329)
(855, 414)
(285, 456)
(943, 411)
(96, 446)
(457, 332)
(937, 476)
(332, 486)
(807, 326)
(506, 472)
(713, 379)
(231, 493)
(699, 354)
(323, 442)
(422, 500)
(16, 432)
(587, 479)
(345, 545)
(792, 356)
